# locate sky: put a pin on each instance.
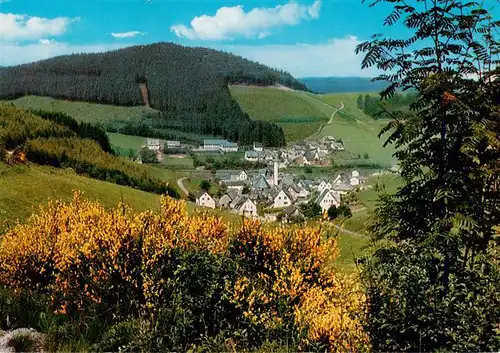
(304, 37)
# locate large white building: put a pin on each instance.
(220, 145)
(154, 144)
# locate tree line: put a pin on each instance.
(183, 82)
(59, 141)
(372, 105)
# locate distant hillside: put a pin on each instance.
(342, 84)
(190, 85)
(299, 114)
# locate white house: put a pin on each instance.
(205, 200)
(281, 199)
(234, 185)
(154, 144)
(243, 205)
(212, 145)
(234, 175)
(257, 146)
(229, 147)
(342, 188)
(251, 156)
(354, 181)
(322, 149)
(326, 199)
(338, 179)
(355, 174)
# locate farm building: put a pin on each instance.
(173, 144)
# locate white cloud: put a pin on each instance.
(15, 54)
(231, 22)
(46, 41)
(16, 27)
(130, 34)
(333, 58)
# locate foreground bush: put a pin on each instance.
(181, 281)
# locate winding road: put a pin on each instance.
(336, 110)
(182, 187)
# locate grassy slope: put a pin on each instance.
(369, 198)
(82, 111)
(272, 104)
(23, 188)
(358, 131)
(123, 143)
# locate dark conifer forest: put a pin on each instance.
(190, 85)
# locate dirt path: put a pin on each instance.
(181, 186)
(343, 230)
(336, 110)
(145, 94)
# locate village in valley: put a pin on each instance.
(269, 186)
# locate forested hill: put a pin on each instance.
(189, 84)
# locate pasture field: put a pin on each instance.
(350, 247)
(82, 111)
(358, 131)
(298, 114)
(177, 163)
(360, 221)
(123, 143)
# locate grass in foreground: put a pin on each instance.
(24, 188)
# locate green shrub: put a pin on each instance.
(121, 336)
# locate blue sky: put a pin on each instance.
(305, 37)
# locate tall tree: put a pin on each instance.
(433, 283)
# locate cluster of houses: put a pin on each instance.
(306, 153)
(276, 192)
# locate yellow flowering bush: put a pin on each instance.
(81, 255)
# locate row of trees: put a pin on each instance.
(374, 107)
(87, 158)
(82, 129)
(186, 83)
